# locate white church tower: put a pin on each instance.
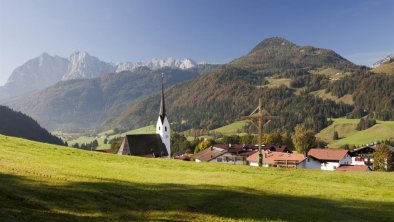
(163, 126)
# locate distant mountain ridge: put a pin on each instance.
(80, 104)
(221, 96)
(387, 59)
(385, 66)
(84, 66)
(46, 70)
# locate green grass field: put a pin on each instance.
(348, 134)
(42, 182)
(232, 129)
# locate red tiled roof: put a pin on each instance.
(327, 154)
(353, 168)
(271, 157)
(253, 157)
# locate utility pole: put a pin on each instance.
(258, 115)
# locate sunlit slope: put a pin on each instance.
(348, 134)
(41, 182)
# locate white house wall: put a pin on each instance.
(312, 163)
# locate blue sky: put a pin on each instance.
(215, 31)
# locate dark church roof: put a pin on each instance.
(162, 112)
(147, 145)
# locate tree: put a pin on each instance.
(335, 136)
(231, 139)
(303, 139)
(203, 145)
(286, 140)
(345, 146)
(382, 160)
(247, 139)
(179, 142)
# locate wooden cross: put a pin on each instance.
(260, 116)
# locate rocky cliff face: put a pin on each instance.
(46, 70)
(84, 66)
(36, 73)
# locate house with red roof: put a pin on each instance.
(278, 159)
(327, 159)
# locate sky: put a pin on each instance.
(215, 31)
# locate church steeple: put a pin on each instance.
(163, 126)
(162, 112)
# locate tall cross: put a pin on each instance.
(258, 115)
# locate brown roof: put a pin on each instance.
(273, 147)
(209, 153)
(353, 168)
(327, 154)
(271, 157)
(217, 150)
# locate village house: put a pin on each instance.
(364, 155)
(224, 153)
(278, 159)
(327, 159)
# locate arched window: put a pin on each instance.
(165, 129)
(159, 127)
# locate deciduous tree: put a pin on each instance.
(303, 139)
(382, 158)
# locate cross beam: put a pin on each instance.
(260, 115)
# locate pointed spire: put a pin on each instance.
(162, 112)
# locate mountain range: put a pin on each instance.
(317, 81)
(302, 84)
(46, 70)
(80, 104)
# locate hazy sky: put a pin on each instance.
(215, 31)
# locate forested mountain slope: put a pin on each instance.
(84, 103)
(221, 96)
(17, 124)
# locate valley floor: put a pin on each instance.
(42, 182)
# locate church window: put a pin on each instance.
(165, 129)
(159, 127)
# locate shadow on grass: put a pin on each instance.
(22, 199)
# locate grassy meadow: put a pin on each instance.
(42, 182)
(232, 128)
(348, 134)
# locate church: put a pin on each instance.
(150, 145)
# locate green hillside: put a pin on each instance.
(13, 123)
(348, 134)
(232, 128)
(65, 184)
